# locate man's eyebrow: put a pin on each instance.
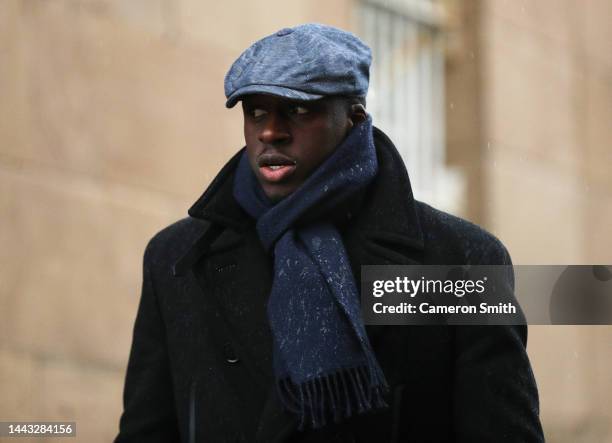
(306, 103)
(251, 105)
(284, 104)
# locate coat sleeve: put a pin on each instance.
(495, 393)
(148, 403)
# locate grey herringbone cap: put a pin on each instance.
(306, 62)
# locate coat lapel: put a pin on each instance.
(232, 256)
(223, 292)
(234, 264)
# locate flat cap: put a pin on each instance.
(306, 62)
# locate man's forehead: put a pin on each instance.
(275, 100)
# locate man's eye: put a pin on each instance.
(257, 112)
(299, 110)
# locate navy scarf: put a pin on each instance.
(323, 361)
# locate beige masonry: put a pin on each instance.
(112, 122)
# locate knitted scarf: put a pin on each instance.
(323, 361)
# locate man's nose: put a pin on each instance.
(275, 130)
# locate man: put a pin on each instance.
(249, 327)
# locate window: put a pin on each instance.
(406, 95)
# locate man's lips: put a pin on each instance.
(275, 167)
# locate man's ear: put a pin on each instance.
(358, 113)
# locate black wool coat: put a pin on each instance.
(200, 366)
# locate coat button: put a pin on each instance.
(230, 355)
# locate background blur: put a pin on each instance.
(112, 122)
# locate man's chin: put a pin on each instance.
(275, 193)
(275, 198)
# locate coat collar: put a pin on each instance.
(388, 213)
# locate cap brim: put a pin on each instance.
(280, 91)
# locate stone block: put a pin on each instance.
(530, 103)
(340, 13)
(560, 363)
(597, 211)
(556, 20)
(116, 102)
(568, 362)
(534, 208)
(72, 263)
(18, 385)
(233, 25)
(155, 16)
(602, 385)
(87, 395)
(597, 34)
(597, 120)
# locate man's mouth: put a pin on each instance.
(275, 167)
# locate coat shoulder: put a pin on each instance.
(171, 242)
(458, 241)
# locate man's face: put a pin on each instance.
(286, 140)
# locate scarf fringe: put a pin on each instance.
(339, 395)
